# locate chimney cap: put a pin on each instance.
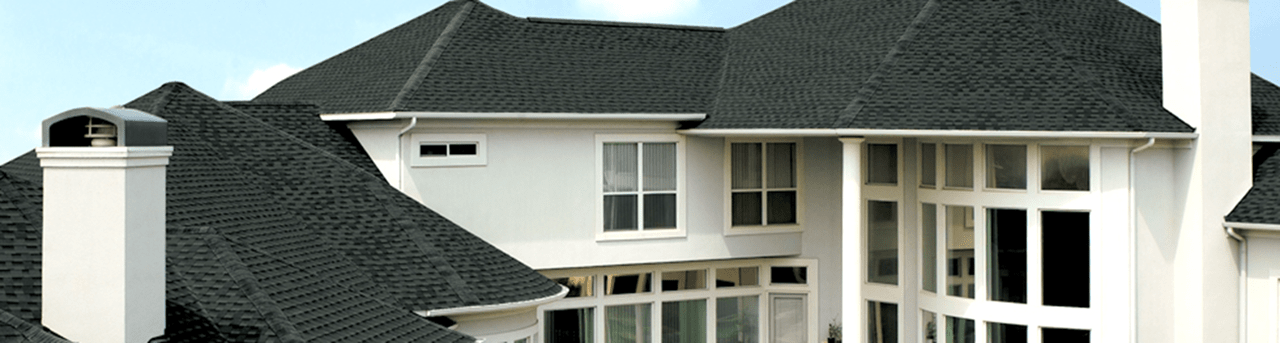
(132, 127)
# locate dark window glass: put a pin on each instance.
(734, 277)
(627, 284)
(579, 286)
(1007, 255)
(882, 163)
(789, 274)
(569, 326)
(433, 150)
(619, 212)
(659, 211)
(929, 247)
(1007, 166)
(928, 165)
(882, 322)
(782, 207)
(1065, 244)
(746, 208)
(1054, 335)
(1064, 168)
(960, 330)
(882, 242)
(684, 321)
(684, 280)
(1006, 333)
(462, 149)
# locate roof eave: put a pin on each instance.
(467, 310)
(939, 133)
(375, 116)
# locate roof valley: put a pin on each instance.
(433, 54)
(271, 312)
(849, 114)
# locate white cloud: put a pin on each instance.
(257, 82)
(640, 10)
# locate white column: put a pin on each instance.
(103, 273)
(851, 241)
(1206, 83)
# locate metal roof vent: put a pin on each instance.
(104, 127)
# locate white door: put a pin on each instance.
(789, 323)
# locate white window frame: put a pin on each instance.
(765, 227)
(419, 139)
(681, 188)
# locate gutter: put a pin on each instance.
(1244, 279)
(515, 115)
(935, 133)
(495, 307)
(400, 169)
(1133, 240)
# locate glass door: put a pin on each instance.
(788, 323)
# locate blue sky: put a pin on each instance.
(58, 55)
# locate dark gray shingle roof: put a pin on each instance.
(1262, 204)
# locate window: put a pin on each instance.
(882, 164)
(882, 242)
(684, 280)
(1055, 335)
(737, 277)
(930, 326)
(929, 247)
(446, 150)
(1006, 333)
(796, 275)
(1064, 168)
(627, 284)
(960, 330)
(1065, 237)
(640, 185)
(1007, 166)
(684, 321)
(882, 322)
(627, 323)
(737, 319)
(928, 165)
(960, 282)
(763, 185)
(1007, 255)
(579, 286)
(572, 325)
(959, 166)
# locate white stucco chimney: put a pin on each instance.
(102, 277)
(1206, 84)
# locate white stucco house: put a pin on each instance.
(907, 171)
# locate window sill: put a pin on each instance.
(763, 230)
(639, 235)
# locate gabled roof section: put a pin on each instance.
(1038, 65)
(469, 57)
(302, 120)
(1266, 107)
(1262, 204)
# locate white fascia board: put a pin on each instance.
(1266, 139)
(935, 133)
(495, 307)
(515, 115)
(1253, 226)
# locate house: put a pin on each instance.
(915, 171)
(228, 228)
(1000, 171)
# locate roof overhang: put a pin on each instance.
(467, 310)
(665, 117)
(937, 133)
(1255, 227)
(1266, 139)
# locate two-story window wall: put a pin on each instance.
(992, 241)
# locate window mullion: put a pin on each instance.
(640, 186)
(764, 183)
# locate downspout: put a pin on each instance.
(1133, 240)
(1244, 297)
(400, 168)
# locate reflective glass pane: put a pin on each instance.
(882, 163)
(929, 247)
(619, 171)
(735, 277)
(659, 166)
(960, 330)
(684, 279)
(790, 319)
(1055, 335)
(747, 165)
(782, 207)
(1064, 168)
(960, 281)
(789, 275)
(782, 165)
(462, 149)
(959, 165)
(930, 326)
(432, 150)
(747, 209)
(882, 322)
(1006, 333)
(627, 323)
(579, 286)
(659, 211)
(627, 283)
(1007, 166)
(684, 321)
(882, 242)
(738, 319)
(569, 326)
(620, 212)
(1007, 255)
(1065, 237)
(928, 164)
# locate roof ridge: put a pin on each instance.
(32, 332)
(271, 312)
(846, 116)
(541, 20)
(433, 54)
(1067, 57)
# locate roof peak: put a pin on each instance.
(541, 20)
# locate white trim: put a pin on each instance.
(481, 157)
(681, 189)
(103, 157)
(495, 307)
(1252, 226)
(936, 133)
(514, 115)
(1266, 139)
